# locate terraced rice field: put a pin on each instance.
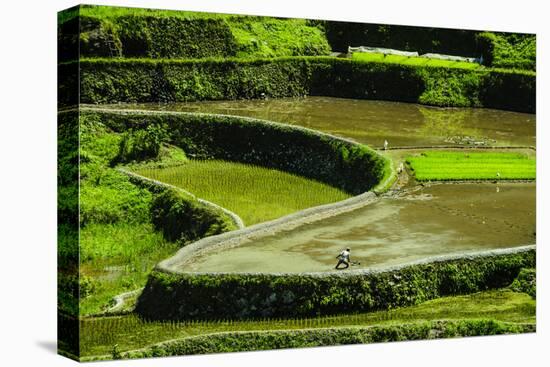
(447, 166)
(413, 60)
(254, 193)
(130, 332)
(371, 122)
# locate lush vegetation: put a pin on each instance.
(412, 60)
(352, 168)
(262, 340)
(115, 228)
(183, 219)
(503, 50)
(122, 227)
(453, 165)
(408, 38)
(149, 80)
(509, 50)
(127, 226)
(129, 332)
(137, 249)
(526, 282)
(142, 144)
(67, 213)
(185, 296)
(133, 32)
(118, 244)
(254, 193)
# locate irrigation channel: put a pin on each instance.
(409, 224)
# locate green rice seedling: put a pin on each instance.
(452, 165)
(254, 193)
(413, 60)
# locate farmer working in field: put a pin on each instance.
(343, 258)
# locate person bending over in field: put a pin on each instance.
(343, 258)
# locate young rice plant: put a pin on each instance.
(448, 165)
(254, 193)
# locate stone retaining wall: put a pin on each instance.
(173, 294)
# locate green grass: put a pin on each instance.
(118, 244)
(269, 37)
(450, 165)
(112, 12)
(254, 36)
(254, 193)
(117, 258)
(511, 50)
(130, 332)
(413, 60)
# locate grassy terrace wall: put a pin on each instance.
(139, 80)
(183, 218)
(280, 339)
(177, 296)
(133, 32)
(351, 167)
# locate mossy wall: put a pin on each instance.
(184, 219)
(351, 167)
(155, 37)
(526, 282)
(134, 32)
(179, 296)
(111, 81)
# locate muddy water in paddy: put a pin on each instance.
(436, 220)
(371, 122)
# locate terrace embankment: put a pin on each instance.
(151, 80)
(349, 166)
(266, 293)
(371, 122)
(134, 32)
(171, 295)
(238, 341)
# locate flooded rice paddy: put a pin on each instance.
(436, 220)
(372, 122)
(424, 222)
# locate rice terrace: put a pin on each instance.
(214, 169)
